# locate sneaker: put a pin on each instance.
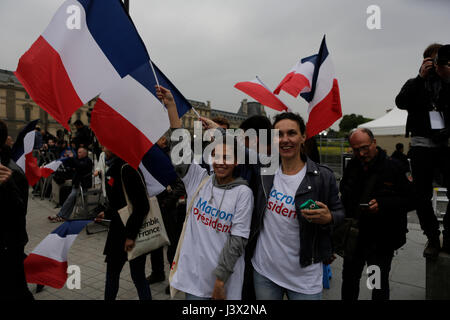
(156, 277)
(432, 249)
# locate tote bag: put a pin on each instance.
(152, 234)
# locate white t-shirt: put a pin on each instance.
(208, 228)
(277, 253)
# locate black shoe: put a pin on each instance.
(39, 288)
(156, 277)
(432, 249)
(168, 289)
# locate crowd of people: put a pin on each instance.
(250, 235)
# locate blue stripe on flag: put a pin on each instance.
(18, 147)
(159, 165)
(115, 34)
(144, 75)
(71, 227)
(320, 58)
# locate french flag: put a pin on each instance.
(259, 91)
(47, 263)
(22, 153)
(48, 169)
(129, 119)
(299, 79)
(88, 46)
(319, 88)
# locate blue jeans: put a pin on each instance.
(266, 289)
(69, 204)
(137, 270)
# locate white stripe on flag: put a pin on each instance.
(139, 106)
(324, 82)
(55, 247)
(153, 186)
(28, 145)
(80, 54)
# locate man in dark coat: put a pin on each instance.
(375, 192)
(13, 234)
(427, 100)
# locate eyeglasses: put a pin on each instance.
(363, 149)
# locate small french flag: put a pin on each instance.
(259, 91)
(50, 168)
(47, 263)
(22, 153)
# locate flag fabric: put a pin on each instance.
(51, 167)
(47, 263)
(259, 91)
(323, 98)
(129, 119)
(158, 171)
(22, 153)
(88, 46)
(299, 79)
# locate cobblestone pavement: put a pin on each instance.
(407, 275)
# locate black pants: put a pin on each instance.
(137, 269)
(353, 268)
(424, 162)
(12, 275)
(173, 222)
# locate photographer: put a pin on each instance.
(427, 100)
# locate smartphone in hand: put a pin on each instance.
(309, 205)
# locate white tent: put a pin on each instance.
(392, 123)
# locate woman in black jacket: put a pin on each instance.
(121, 238)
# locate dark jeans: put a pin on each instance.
(423, 163)
(12, 275)
(353, 268)
(137, 269)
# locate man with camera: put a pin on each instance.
(377, 196)
(427, 100)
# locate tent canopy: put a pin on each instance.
(392, 123)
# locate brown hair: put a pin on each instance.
(431, 50)
(222, 121)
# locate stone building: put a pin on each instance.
(17, 108)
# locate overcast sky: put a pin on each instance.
(206, 46)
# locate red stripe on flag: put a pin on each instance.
(32, 171)
(293, 84)
(42, 73)
(46, 172)
(325, 113)
(261, 94)
(45, 271)
(118, 134)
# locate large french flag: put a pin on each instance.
(324, 98)
(299, 78)
(88, 46)
(129, 119)
(22, 153)
(47, 263)
(261, 93)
